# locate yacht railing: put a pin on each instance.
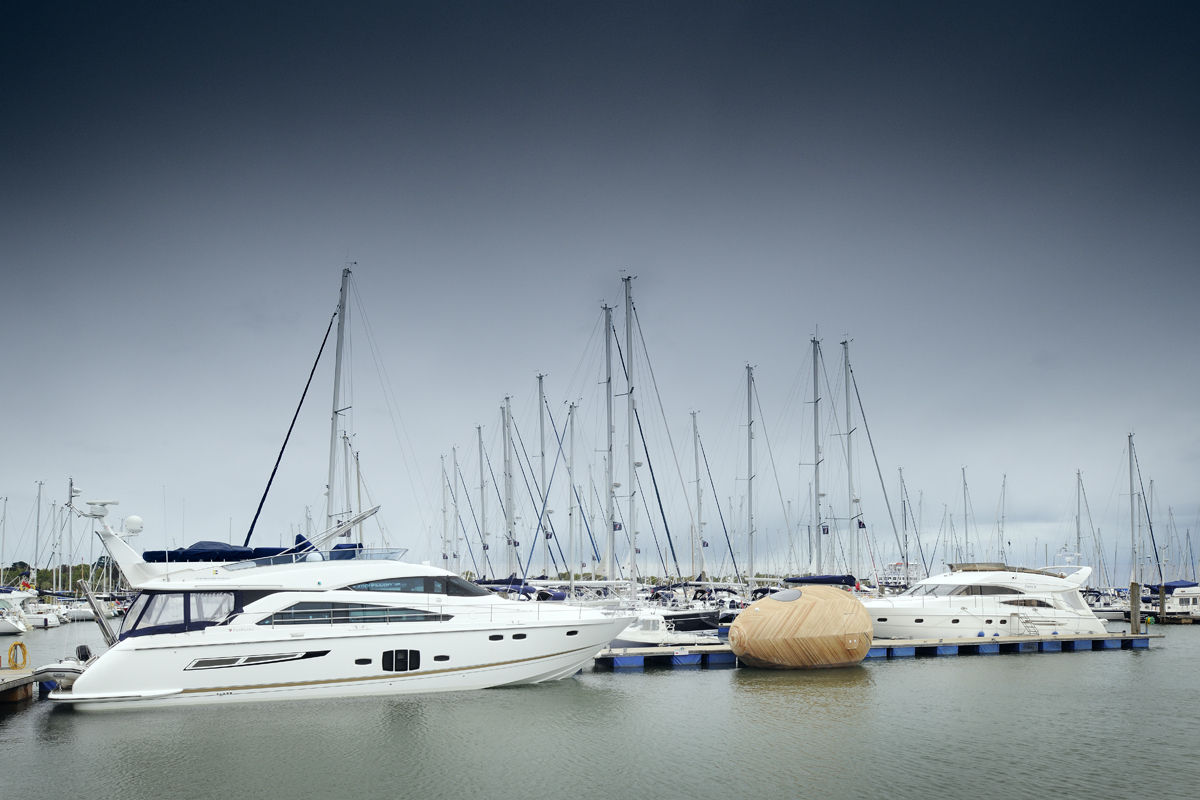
(375, 554)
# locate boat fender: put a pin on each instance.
(13, 649)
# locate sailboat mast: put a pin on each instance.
(1078, 529)
(342, 313)
(1003, 501)
(750, 474)
(1132, 517)
(903, 526)
(816, 507)
(483, 535)
(571, 501)
(542, 535)
(966, 556)
(610, 520)
(454, 518)
(513, 559)
(445, 518)
(631, 414)
(699, 531)
(37, 535)
(851, 516)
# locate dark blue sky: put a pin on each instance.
(996, 201)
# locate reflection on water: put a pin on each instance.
(1075, 724)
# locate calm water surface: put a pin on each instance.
(1096, 724)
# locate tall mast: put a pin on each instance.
(851, 516)
(1133, 548)
(454, 518)
(903, 526)
(610, 519)
(699, 532)
(343, 311)
(1003, 501)
(545, 489)
(37, 534)
(750, 474)
(483, 535)
(3, 537)
(1078, 530)
(445, 519)
(816, 512)
(631, 413)
(513, 559)
(571, 500)
(966, 533)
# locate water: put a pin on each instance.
(1105, 723)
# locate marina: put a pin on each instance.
(831, 733)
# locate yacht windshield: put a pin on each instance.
(174, 612)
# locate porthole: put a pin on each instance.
(881, 619)
(918, 619)
(572, 633)
(441, 658)
(989, 622)
(495, 637)
(518, 636)
(1003, 622)
(362, 661)
(953, 622)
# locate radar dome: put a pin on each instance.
(133, 524)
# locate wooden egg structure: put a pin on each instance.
(806, 627)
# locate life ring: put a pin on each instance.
(12, 655)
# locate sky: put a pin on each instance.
(996, 204)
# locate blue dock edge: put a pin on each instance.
(636, 660)
(883, 649)
(710, 657)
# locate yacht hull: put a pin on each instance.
(273, 664)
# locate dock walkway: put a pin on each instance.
(16, 685)
(721, 655)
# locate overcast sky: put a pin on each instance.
(998, 203)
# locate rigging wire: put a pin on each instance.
(279, 458)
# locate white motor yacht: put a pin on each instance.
(326, 624)
(12, 618)
(988, 600)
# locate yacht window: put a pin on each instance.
(424, 584)
(135, 610)
(315, 613)
(461, 587)
(163, 609)
(1028, 602)
(931, 590)
(401, 660)
(210, 606)
(986, 589)
(173, 612)
(413, 584)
